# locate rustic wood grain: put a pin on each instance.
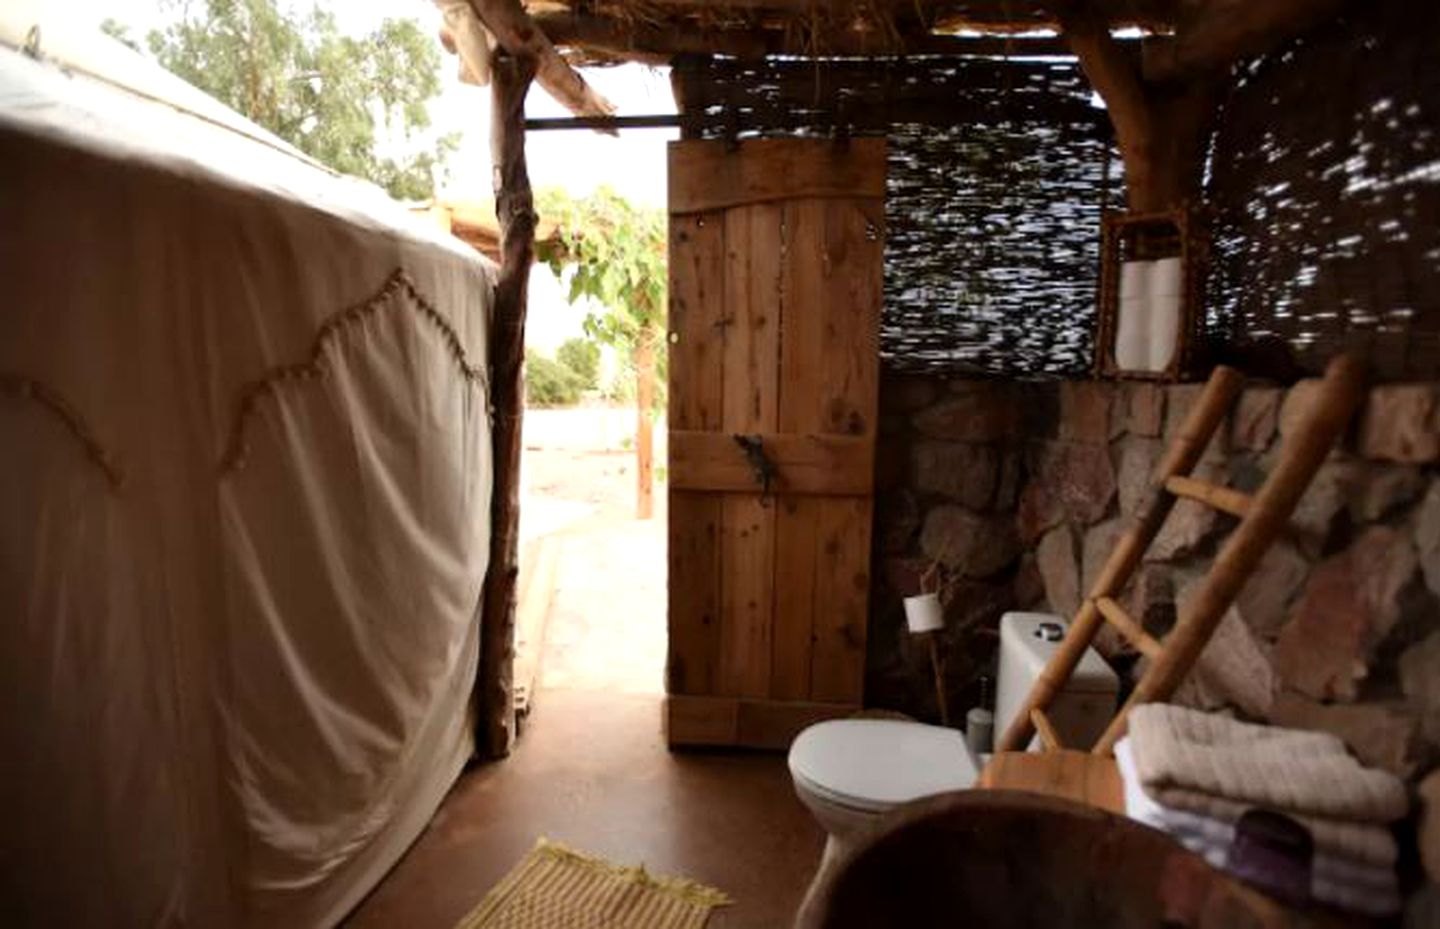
(733, 721)
(793, 360)
(842, 591)
(797, 526)
(697, 306)
(706, 176)
(515, 209)
(806, 463)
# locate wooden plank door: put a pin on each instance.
(775, 294)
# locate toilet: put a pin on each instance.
(851, 772)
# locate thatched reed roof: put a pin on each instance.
(597, 31)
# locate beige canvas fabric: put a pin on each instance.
(235, 686)
(1188, 760)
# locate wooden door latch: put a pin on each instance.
(765, 471)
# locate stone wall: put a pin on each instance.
(1019, 491)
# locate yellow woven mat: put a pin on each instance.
(558, 888)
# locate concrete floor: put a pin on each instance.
(592, 770)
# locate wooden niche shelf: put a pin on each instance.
(1150, 322)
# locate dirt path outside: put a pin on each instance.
(605, 627)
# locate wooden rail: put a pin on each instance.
(1229, 501)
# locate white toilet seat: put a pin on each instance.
(872, 765)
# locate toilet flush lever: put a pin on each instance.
(754, 448)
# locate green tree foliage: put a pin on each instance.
(326, 93)
(550, 383)
(583, 357)
(615, 253)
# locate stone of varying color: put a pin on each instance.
(1059, 567)
(1401, 422)
(972, 544)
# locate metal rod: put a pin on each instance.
(658, 121)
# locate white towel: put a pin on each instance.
(1353, 885)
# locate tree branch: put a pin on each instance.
(517, 34)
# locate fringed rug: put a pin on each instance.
(558, 888)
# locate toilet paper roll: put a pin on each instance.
(1166, 284)
(1166, 276)
(1134, 280)
(1132, 336)
(924, 613)
(1132, 331)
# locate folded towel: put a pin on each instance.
(1208, 764)
(1348, 883)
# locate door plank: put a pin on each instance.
(795, 582)
(758, 723)
(697, 306)
(750, 351)
(841, 604)
(802, 350)
(806, 464)
(697, 309)
(849, 335)
(693, 642)
(751, 358)
(747, 571)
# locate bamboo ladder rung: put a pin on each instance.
(1224, 499)
(1133, 632)
(1045, 729)
(1181, 456)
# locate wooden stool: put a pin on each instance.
(1093, 780)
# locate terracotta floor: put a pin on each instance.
(591, 770)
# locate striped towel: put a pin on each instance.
(1351, 884)
(1209, 764)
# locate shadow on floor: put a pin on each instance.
(593, 771)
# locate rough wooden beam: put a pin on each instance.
(1112, 73)
(515, 209)
(518, 35)
(1160, 129)
(1149, 14)
(610, 39)
(1213, 34)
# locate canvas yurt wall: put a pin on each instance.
(245, 487)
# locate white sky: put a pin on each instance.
(579, 161)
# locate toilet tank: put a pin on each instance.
(1082, 710)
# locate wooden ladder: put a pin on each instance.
(1262, 515)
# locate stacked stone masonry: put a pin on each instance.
(1019, 490)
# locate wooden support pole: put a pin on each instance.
(645, 368)
(1300, 456)
(515, 209)
(1180, 458)
(1160, 129)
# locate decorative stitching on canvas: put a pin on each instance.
(27, 388)
(269, 384)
